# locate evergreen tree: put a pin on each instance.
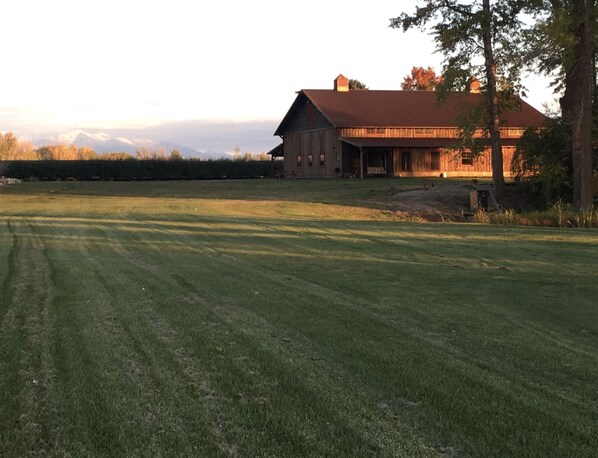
(468, 33)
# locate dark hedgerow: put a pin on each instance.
(132, 170)
(543, 159)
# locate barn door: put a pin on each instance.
(434, 160)
(406, 161)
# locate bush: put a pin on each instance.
(130, 170)
(558, 216)
(543, 159)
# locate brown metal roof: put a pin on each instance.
(365, 108)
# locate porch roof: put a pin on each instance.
(369, 142)
(277, 151)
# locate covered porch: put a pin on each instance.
(369, 157)
(276, 153)
(362, 158)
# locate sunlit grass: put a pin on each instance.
(252, 319)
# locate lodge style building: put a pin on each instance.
(362, 133)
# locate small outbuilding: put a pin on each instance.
(342, 132)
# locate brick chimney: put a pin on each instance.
(341, 84)
(474, 85)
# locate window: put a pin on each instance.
(434, 160)
(466, 158)
(299, 160)
(322, 160)
(421, 132)
(310, 160)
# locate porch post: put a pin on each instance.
(272, 166)
(386, 162)
(361, 162)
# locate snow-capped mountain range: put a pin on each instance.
(201, 139)
(102, 142)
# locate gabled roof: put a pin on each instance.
(366, 108)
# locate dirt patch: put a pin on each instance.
(438, 203)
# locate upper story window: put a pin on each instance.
(423, 132)
(299, 160)
(310, 160)
(322, 159)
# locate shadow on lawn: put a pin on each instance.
(375, 193)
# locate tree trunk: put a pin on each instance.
(498, 179)
(577, 107)
(586, 200)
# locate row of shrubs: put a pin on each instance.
(554, 217)
(139, 170)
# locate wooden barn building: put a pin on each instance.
(342, 132)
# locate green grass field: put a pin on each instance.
(287, 318)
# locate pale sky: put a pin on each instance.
(130, 63)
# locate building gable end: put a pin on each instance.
(303, 116)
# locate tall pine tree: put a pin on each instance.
(477, 39)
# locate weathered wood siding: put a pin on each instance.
(419, 132)
(311, 136)
(323, 142)
(308, 118)
(450, 163)
(312, 149)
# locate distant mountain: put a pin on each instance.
(201, 139)
(251, 136)
(102, 142)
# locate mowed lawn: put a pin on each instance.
(287, 318)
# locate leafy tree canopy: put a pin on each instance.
(562, 43)
(357, 85)
(459, 30)
(421, 79)
(11, 148)
(478, 39)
